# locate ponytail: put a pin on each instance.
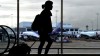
(43, 6)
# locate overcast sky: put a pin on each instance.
(79, 13)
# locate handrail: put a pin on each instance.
(6, 49)
(13, 33)
(67, 48)
(62, 48)
(8, 41)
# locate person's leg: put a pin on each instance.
(40, 47)
(49, 40)
(42, 42)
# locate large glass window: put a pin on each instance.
(82, 15)
(28, 10)
(78, 16)
(8, 17)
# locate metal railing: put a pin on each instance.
(58, 49)
(4, 31)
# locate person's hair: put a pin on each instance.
(47, 3)
(43, 6)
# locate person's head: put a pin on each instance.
(48, 5)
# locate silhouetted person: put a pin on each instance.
(19, 50)
(45, 27)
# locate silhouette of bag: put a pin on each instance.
(35, 23)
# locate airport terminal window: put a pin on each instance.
(79, 13)
(64, 30)
(28, 29)
(71, 29)
(8, 17)
(76, 14)
(76, 29)
(28, 10)
(67, 29)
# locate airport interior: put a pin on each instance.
(72, 34)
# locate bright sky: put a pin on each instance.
(79, 13)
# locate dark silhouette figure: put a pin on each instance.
(19, 50)
(45, 27)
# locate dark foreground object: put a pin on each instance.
(63, 55)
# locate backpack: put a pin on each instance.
(35, 23)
